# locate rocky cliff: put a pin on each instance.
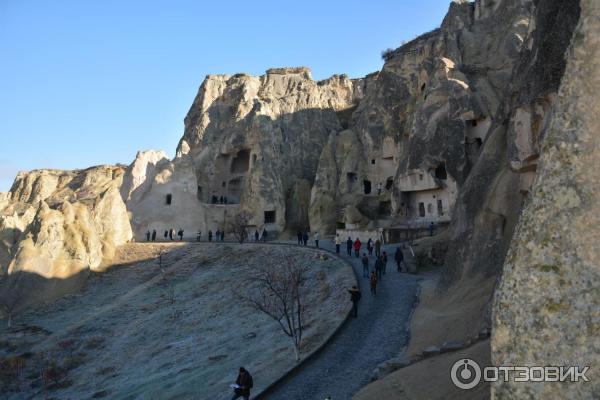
(546, 309)
(449, 131)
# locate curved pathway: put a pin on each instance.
(379, 333)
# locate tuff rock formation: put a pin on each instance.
(58, 223)
(449, 131)
(547, 307)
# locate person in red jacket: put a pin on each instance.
(357, 245)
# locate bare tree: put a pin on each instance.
(278, 291)
(11, 294)
(239, 225)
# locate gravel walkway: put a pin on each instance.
(379, 333)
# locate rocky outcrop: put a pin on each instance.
(59, 223)
(250, 143)
(546, 309)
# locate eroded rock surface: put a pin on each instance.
(547, 310)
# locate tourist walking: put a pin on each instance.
(431, 227)
(305, 238)
(317, 237)
(357, 245)
(147, 236)
(166, 234)
(365, 264)
(379, 266)
(384, 258)
(198, 236)
(256, 235)
(210, 235)
(299, 236)
(172, 234)
(338, 243)
(399, 257)
(154, 235)
(180, 234)
(222, 235)
(355, 298)
(370, 247)
(373, 282)
(349, 246)
(243, 384)
(377, 248)
(264, 235)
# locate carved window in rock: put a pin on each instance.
(421, 209)
(169, 199)
(270, 217)
(367, 186)
(440, 207)
(430, 208)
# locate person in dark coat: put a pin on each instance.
(305, 238)
(431, 227)
(166, 234)
(377, 248)
(349, 246)
(399, 257)
(355, 298)
(299, 236)
(384, 258)
(210, 236)
(264, 235)
(373, 282)
(172, 234)
(365, 263)
(245, 383)
(154, 235)
(180, 234)
(370, 247)
(256, 235)
(379, 266)
(147, 236)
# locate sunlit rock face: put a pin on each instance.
(251, 143)
(546, 310)
(58, 223)
(424, 122)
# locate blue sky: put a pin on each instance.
(91, 82)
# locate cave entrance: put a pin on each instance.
(440, 172)
(440, 207)
(367, 186)
(169, 199)
(241, 162)
(421, 209)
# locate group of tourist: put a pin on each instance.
(168, 234)
(303, 238)
(218, 200)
